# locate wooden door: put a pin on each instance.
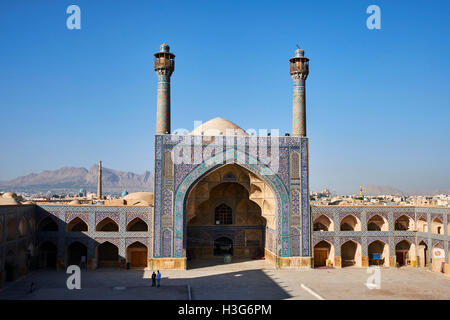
(320, 257)
(138, 259)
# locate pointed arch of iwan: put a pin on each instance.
(253, 166)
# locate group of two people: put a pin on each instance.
(156, 278)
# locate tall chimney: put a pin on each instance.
(99, 183)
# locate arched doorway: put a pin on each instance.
(423, 254)
(137, 255)
(48, 224)
(323, 251)
(323, 223)
(223, 246)
(11, 267)
(437, 226)
(76, 253)
(351, 254)
(107, 255)
(229, 202)
(404, 223)
(77, 225)
(404, 253)
(438, 258)
(377, 223)
(11, 230)
(378, 253)
(107, 225)
(137, 224)
(422, 225)
(22, 258)
(350, 223)
(23, 227)
(32, 225)
(47, 255)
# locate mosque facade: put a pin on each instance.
(221, 191)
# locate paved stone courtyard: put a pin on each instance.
(211, 279)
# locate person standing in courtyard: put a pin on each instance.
(153, 279)
(158, 279)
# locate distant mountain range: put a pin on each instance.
(375, 190)
(72, 179)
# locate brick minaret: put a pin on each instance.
(99, 183)
(299, 68)
(164, 66)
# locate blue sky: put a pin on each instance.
(378, 101)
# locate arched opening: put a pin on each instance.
(11, 267)
(22, 258)
(378, 253)
(11, 231)
(223, 246)
(23, 227)
(323, 223)
(423, 254)
(422, 225)
(438, 258)
(107, 255)
(223, 214)
(107, 225)
(233, 203)
(76, 253)
(404, 223)
(47, 255)
(137, 224)
(323, 254)
(404, 253)
(351, 254)
(437, 226)
(32, 223)
(377, 223)
(137, 255)
(350, 223)
(77, 225)
(48, 224)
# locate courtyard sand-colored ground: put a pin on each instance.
(211, 279)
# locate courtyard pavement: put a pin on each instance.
(256, 279)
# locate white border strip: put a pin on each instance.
(311, 292)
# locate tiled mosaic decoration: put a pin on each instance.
(235, 150)
(390, 237)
